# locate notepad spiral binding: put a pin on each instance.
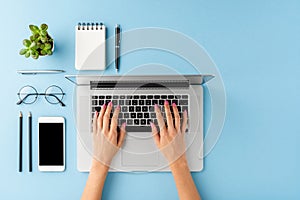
(90, 26)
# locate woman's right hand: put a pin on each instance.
(170, 139)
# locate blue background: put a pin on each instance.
(256, 46)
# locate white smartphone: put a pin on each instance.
(51, 144)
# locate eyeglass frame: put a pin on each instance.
(41, 94)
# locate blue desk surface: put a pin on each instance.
(256, 46)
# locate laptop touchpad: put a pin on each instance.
(139, 152)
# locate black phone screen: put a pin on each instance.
(51, 144)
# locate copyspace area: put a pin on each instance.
(256, 46)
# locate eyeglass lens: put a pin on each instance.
(28, 94)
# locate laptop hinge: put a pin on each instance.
(139, 84)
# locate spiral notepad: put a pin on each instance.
(90, 46)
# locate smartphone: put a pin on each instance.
(51, 144)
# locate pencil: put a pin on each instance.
(30, 140)
(20, 140)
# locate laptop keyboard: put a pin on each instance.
(138, 110)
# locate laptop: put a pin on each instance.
(137, 95)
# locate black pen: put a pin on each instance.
(20, 140)
(30, 140)
(117, 46)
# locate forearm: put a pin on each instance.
(184, 181)
(95, 182)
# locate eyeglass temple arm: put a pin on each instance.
(21, 100)
(61, 103)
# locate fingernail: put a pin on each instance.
(151, 124)
(110, 103)
(185, 111)
(166, 102)
(118, 107)
(155, 106)
(104, 105)
(124, 125)
(174, 104)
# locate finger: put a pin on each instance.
(160, 119)
(95, 122)
(184, 122)
(176, 116)
(106, 117)
(114, 120)
(169, 116)
(100, 116)
(122, 135)
(155, 134)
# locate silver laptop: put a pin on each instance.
(137, 95)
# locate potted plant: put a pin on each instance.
(40, 42)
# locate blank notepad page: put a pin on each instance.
(90, 47)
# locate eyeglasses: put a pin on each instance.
(53, 94)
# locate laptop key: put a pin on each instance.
(183, 102)
(156, 97)
(184, 108)
(151, 108)
(185, 96)
(122, 121)
(98, 109)
(141, 102)
(143, 96)
(101, 97)
(148, 121)
(128, 102)
(122, 97)
(131, 108)
(94, 97)
(136, 97)
(175, 101)
(124, 108)
(101, 102)
(138, 128)
(136, 121)
(115, 102)
(145, 108)
(132, 115)
(148, 102)
(138, 109)
(177, 96)
(161, 102)
(163, 97)
(170, 96)
(143, 122)
(154, 102)
(139, 115)
(150, 97)
(108, 96)
(121, 102)
(107, 101)
(153, 115)
(134, 102)
(129, 122)
(126, 115)
(128, 97)
(146, 115)
(120, 116)
(94, 102)
(115, 97)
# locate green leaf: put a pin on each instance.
(47, 46)
(44, 33)
(27, 54)
(33, 44)
(44, 27)
(49, 52)
(43, 52)
(26, 43)
(42, 46)
(43, 39)
(23, 51)
(34, 29)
